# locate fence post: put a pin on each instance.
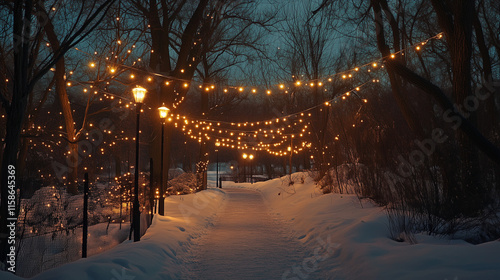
(85, 214)
(151, 189)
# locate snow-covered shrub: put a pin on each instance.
(183, 184)
(341, 179)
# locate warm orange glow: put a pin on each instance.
(139, 94)
(163, 112)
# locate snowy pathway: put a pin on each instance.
(246, 242)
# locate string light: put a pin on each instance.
(239, 137)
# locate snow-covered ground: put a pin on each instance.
(43, 252)
(361, 233)
(338, 238)
(246, 242)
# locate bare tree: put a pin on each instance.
(28, 69)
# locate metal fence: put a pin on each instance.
(50, 224)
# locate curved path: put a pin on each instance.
(246, 242)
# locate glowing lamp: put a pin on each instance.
(139, 94)
(163, 112)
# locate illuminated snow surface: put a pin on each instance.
(246, 242)
(270, 230)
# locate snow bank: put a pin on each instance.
(363, 249)
(156, 255)
(346, 239)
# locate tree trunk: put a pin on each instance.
(183, 71)
(74, 158)
(62, 94)
(395, 81)
(470, 192)
(15, 114)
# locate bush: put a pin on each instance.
(183, 184)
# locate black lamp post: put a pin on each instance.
(250, 157)
(245, 156)
(217, 144)
(161, 201)
(139, 94)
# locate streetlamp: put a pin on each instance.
(217, 144)
(161, 201)
(245, 156)
(251, 168)
(139, 94)
(235, 177)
